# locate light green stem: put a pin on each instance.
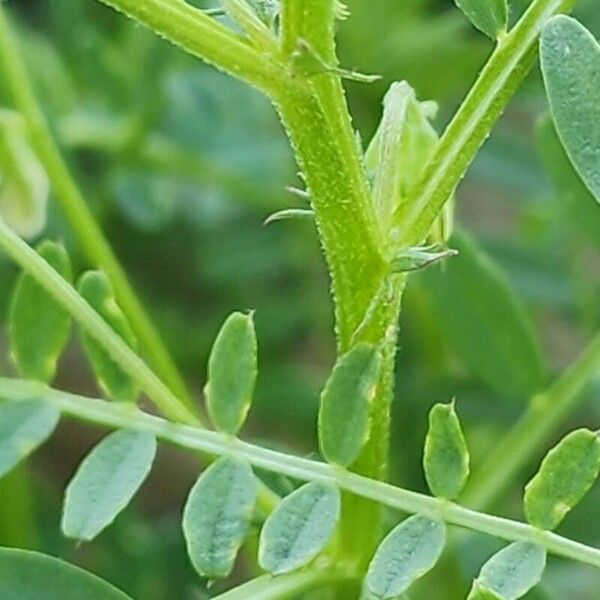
(77, 213)
(113, 415)
(533, 431)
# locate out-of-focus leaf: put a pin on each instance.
(566, 475)
(39, 327)
(489, 16)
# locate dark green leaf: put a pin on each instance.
(489, 16)
(232, 373)
(39, 327)
(566, 475)
(105, 482)
(217, 515)
(24, 426)
(346, 404)
(299, 528)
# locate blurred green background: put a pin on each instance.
(181, 165)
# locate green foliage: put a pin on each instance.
(566, 475)
(105, 483)
(38, 326)
(232, 372)
(489, 16)
(571, 66)
(23, 427)
(510, 573)
(346, 404)
(407, 553)
(96, 289)
(26, 575)
(299, 529)
(446, 456)
(217, 515)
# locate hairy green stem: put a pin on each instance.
(532, 432)
(114, 415)
(77, 213)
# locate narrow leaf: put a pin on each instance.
(420, 257)
(302, 214)
(232, 373)
(105, 482)
(300, 528)
(405, 555)
(571, 67)
(217, 515)
(446, 456)
(510, 573)
(489, 16)
(346, 404)
(566, 475)
(38, 326)
(118, 385)
(26, 575)
(24, 426)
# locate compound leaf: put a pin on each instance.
(510, 573)
(565, 476)
(232, 373)
(95, 287)
(26, 575)
(299, 528)
(24, 426)
(346, 404)
(105, 482)
(405, 555)
(571, 66)
(217, 515)
(489, 16)
(446, 457)
(38, 326)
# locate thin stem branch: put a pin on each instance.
(77, 213)
(113, 415)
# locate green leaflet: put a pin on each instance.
(346, 404)
(105, 482)
(405, 555)
(446, 456)
(471, 296)
(23, 181)
(489, 16)
(566, 475)
(26, 575)
(95, 287)
(217, 515)
(38, 326)
(510, 573)
(571, 67)
(232, 373)
(290, 213)
(299, 528)
(24, 426)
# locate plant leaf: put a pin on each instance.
(446, 456)
(105, 482)
(571, 67)
(480, 593)
(95, 287)
(472, 296)
(302, 214)
(566, 475)
(489, 16)
(38, 326)
(299, 528)
(26, 575)
(346, 404)
(232, 373)
(511, 573)
(217, 515)
(405, 555)
(24, 426)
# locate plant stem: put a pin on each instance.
(94, 324)
(503, 74)
(77, 213)
(533, 431)
(115, 415)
